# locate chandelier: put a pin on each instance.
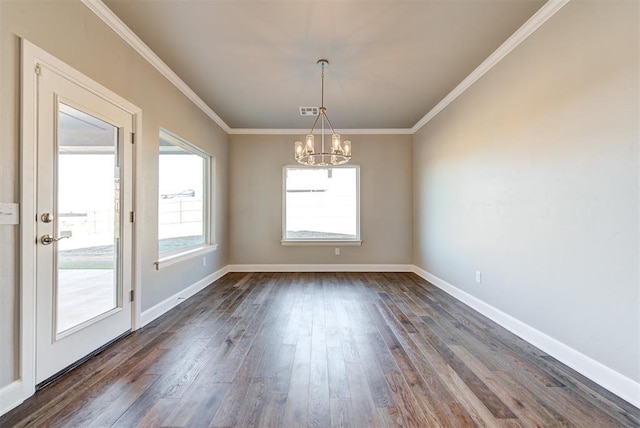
(306, 153)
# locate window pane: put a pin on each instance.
(88, 198)
(183, 197)
(321, 203)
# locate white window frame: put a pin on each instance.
(319, 242)
(181, 254)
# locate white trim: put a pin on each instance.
(32, 56)
(263, 131)
(617, 383)
(173, 301)
(177, 140)
(321, 268)
(136, 263)
(208, 192)
(318, 243)
(11, 396)
(28, 157)
(540, 17)
(285, 241)
(121, 29)
(184, 255)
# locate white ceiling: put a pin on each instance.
(254, 62)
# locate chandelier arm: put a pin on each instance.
(324, 116)
(315, 123)
(329, 122)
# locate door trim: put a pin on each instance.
(34, 59)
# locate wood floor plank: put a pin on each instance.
(273, 410)
(198, 406)
(520, 406)
(363, 411)
(388, 417)
(296, 408)
(322, 349)
(107, 417)
(383, 355)
(490, 400)
(319, 405)
(526, 397)
(230, 406)
(337, 372)
(282, 370)
(340, 412)
(494, 353)
(378, 388)
(467, 400)
(408, 406)
(253, 404)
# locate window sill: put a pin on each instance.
(323, 243)
(184, 255)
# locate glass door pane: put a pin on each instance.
(88, 217)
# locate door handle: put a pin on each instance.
(48, 239)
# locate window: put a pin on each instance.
(184, 200)
(321, 205)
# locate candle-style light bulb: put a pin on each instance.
(346, 147)
(335, 144)
(309, 149)
(298, 149)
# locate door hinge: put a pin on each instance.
(38, 70)
(133, 138)
(131, 295)
(132, 217)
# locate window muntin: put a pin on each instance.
(184, 196)
(321, 204)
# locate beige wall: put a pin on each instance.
(255, 198)
(68, 30)
(531, 177)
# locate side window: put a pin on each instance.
(184, 200)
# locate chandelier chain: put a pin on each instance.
(322, 92)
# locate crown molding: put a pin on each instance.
(540, 17)
(121, 29)
(381, 131)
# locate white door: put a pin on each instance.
(84, 233)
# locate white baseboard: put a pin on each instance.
(173, 301)
(11, 396)
(321, 268)
(620, 385)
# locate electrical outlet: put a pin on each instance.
(478, 277)
(337, 251)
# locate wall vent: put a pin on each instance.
(309, 111)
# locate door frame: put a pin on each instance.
(34, 59)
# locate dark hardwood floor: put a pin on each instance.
(322, 349)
